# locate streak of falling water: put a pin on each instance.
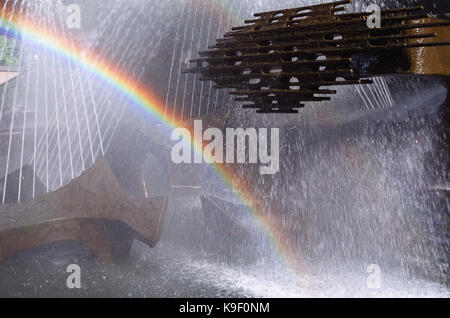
(210, 84)
(8, 156)
(46, 101)
(57, 122)
(208, 36)
(191, 52)
(182, 44)
(33, 193)
(23, 130)
(197, 48)
(69, 139)
(64, 101)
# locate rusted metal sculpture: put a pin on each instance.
(283, 58)
(92, 210)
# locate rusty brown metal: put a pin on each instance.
(92, 209)
(431, 60)
(283, 58)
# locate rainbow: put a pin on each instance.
(142, 97)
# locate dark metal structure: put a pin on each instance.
(281, 59)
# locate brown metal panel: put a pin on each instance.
(91, 209)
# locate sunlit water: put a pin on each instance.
(171, 272)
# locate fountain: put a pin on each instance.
(362, 177)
